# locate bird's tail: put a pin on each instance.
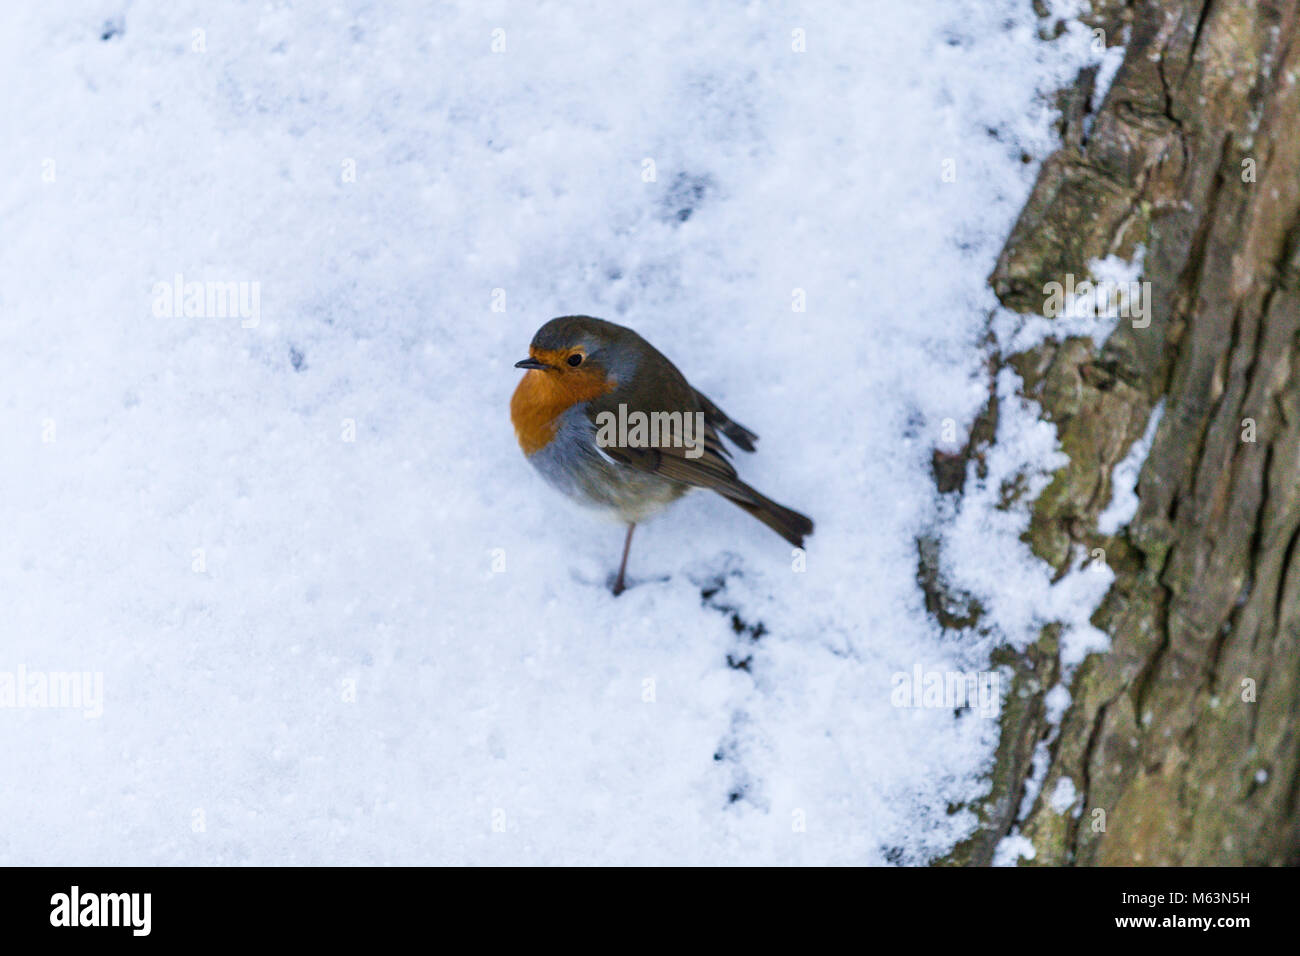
(786, 522)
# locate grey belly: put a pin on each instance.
(574, 465)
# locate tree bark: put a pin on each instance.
(1182, 741)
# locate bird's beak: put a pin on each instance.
(531, 363)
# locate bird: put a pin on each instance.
(582, 373)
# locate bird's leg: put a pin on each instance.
(619, 587)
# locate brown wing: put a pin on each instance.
(716, 417)
(709, 469)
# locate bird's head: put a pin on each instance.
(583, 353)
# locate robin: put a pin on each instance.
(609, 421)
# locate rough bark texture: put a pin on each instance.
(1184, 735)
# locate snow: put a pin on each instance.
(1012, 849)
(983, 542)
(1124, 479)
(1056, 702)
(1064, 795)
(1111, 60)
(336, 616)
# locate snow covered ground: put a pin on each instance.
(337, 616)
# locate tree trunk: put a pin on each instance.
(1181, 741)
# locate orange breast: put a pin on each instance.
(543, 396)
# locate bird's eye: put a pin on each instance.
(575, 359)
